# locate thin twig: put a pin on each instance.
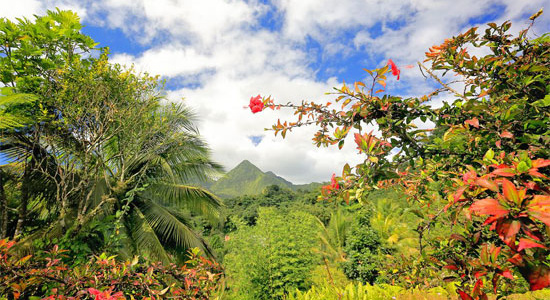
(441, 82)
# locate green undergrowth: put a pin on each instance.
(359, 291)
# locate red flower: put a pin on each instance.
(394, 70)
(334, 183)
(256, 104)
(327, 189)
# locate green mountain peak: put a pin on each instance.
(247, 179)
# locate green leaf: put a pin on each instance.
(522, 167)
(489, 155)
(543, 102)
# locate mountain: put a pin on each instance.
(247, 179)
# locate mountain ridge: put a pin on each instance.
(248, 179)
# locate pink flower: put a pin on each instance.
(256, 104)
(394, 69)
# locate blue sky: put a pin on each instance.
(216, 54)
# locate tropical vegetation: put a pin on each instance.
(107, 190)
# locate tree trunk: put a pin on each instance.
(22, 211)
(3, 207)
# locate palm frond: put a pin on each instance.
(172, 228)
(144, 236)
(182, 196)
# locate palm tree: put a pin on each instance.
(152, 180)
(333, 236)
(112, 149)
(12, 109)
(389, 220)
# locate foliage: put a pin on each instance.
(352, 291)
(14, 109)
(319, 276)
(364, 250)
(46, 276)
(359, 291)
(246, 207)
(275, 256)
(483, 168)
(102, 147)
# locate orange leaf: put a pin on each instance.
(542, 216)
(459, 193)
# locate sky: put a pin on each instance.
(216, 54)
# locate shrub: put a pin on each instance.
(45, 275)
(364, 251)
(273, 257)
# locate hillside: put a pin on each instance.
(247, 179)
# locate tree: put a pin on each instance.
(31, 53)
(275, 256)
(364, 250)
(104, 147)
(484, 166)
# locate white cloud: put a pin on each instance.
(29, 8)
(17, 9)
(222, 46)
(168, 61)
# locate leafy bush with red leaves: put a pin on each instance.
(484, 167)
(46, 276)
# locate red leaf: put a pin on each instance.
(488, 184)
(527, 244)
(509, 229)
(510, 192)
(535, 235)
(464, 296)
(459, 193)
(394, 69)
(478, 285)
(506, 172)
(506, 134)
(472, 122)
(516, 259)
(507, 274)
(488, 206)
(451, 267)
(538, 277)
(536, 173)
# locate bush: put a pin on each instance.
(45, 275)
(273, 257)
(364, 251)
